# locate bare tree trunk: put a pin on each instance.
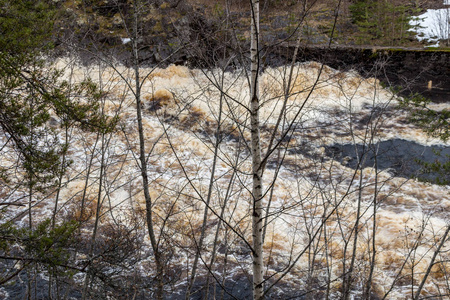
(208, 200)
(374, 228)
(216, 238)
(348, 275)
(443, 240)
(60, 176)
(142, 157)
(144, 174)
(96, 223)
(257, 216)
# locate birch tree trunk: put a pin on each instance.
(257, 215)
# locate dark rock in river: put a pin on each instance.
(403, 158)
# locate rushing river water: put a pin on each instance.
(317, 196)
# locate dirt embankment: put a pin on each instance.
(412, 70)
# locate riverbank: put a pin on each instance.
(411, 70)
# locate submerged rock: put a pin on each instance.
(403, 158)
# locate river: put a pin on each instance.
(330, 220)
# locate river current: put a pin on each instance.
(336, 214)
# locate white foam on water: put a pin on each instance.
(181, 131)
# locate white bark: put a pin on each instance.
(257, 216)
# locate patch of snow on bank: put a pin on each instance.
(433, 25)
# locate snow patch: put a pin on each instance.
(433, 25)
